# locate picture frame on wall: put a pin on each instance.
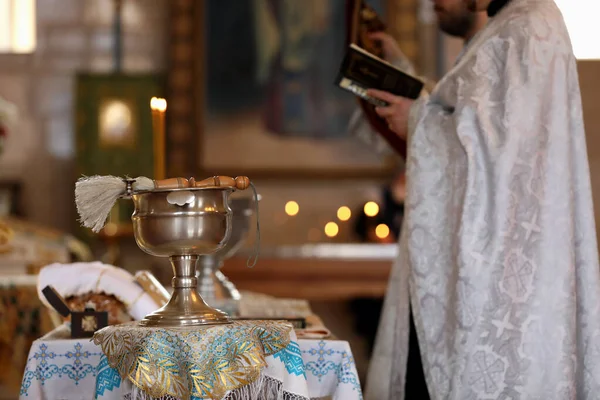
(263, 102)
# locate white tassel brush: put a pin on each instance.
(95, 196)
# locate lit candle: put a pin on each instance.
(291, 208)
(159, 106)
(331, 229)
(344, 213)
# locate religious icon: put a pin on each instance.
(86, 323)
(89, 323)
(117, 124)
(278, 74)
(83, 323)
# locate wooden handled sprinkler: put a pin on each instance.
(96, 195)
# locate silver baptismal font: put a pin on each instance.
(184, 225)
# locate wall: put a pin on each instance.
(73, 35)
(589, 81)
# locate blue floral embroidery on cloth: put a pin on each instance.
(344, 370)
(49, 364)
(291, 357)
(108, 378)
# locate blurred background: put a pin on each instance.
(241, 87)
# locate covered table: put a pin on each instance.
(60, 367)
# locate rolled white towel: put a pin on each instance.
(77, 279)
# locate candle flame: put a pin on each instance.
(331, 229)
(158, 104)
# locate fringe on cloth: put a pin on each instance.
(264, 388)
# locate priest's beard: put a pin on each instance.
(459, 22)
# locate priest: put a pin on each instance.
(498, 255)
(455, 19)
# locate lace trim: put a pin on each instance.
(270, 389)
(264, 388)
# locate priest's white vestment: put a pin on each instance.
(498, 248)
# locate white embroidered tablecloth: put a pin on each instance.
(65, 369)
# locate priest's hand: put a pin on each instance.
(396, 113)
(391, 50)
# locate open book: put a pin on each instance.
(362, 70)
